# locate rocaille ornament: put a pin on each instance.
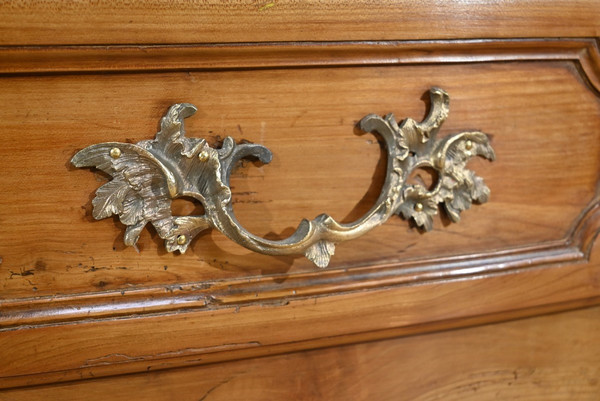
(148, 175)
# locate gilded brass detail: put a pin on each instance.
(146, 177)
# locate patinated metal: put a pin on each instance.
(148, 175)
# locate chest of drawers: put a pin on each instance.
(82, 316)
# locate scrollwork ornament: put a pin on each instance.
(148, 175)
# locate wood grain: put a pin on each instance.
(76, 304)
(103, 347)
(515, 360)
(28, 22)
(128, 58)
(306, 116)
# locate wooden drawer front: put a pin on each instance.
(66, 278)
(501, 361)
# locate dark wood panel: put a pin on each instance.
(555, 357)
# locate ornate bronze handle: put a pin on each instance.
(149, 174)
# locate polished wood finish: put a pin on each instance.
(270, 107)
(48, 354)
(76, 304)
(508, 361)
(127, 58)
(30, 22)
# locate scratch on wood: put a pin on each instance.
(266, 6)
(23, 273)
(244, 193)
(119, 358)
(216, 386)
(94, 268)
(251, 201)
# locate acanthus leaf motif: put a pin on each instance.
(320, 253)
(417, 146)
(109, 199)
(147, 176)
(185, 229)
(144, 179)
(132, 212)
(419, 206)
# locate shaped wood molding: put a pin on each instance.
(149, 174)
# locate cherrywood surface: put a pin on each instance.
(29, 22)
(75, 300)
(551, 358)
(82, 316)
(101, 347)
(136, 58)
(307, 117)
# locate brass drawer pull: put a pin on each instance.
(149, 174)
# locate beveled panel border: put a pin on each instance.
(574, 248)
(271, 290)
(159, 58)
(231, 319)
